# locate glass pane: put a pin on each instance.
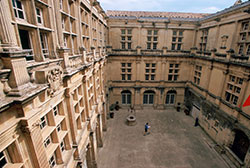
(129, 99)
(20, 13)
(145, 99)
(19, 5)
(151, 99)
(123, 99)
(167, 99)
(172, 99)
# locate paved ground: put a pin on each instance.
(173, 142)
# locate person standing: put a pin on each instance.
(146, 129)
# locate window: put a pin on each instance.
(126, 71)
(170, 98)
(248, 50)
(26, 44)
(44, 43)
(203, 40)
(39, 15)
(245, 26)
(148, 97)
(152, 39)
(43, 122)
(243, 39)
(62, 146)
(47, 142)
(126, 34)
(55, 111)
(197, 74)
(52, 161)
(59, 127)
(173, 72)
(177, 40)
(18, 9)
(3, 159)
(241, 47)
(233, 90)
(150, 71)
(126, 97)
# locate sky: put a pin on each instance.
(195, 6)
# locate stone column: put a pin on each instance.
(36, 148)
(93, 152)
(104, 117)
(99, 132)
(71, 115)
(58, 18)
(93, 50)
(7, 32)
(137, 103)
(85, 90)
(84, 55)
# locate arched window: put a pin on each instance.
(240, 145)
(148, 97)
(126, 97)
(170, 98)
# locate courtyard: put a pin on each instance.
(173, 142)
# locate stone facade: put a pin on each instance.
(52, 70)
(197, 63)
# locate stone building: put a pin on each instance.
(54, 83)
(52, 99)
(198, 63)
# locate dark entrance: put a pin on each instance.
(240, 145)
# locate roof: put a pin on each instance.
(113, 13)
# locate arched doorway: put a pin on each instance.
(170, 97)
(126, 97)
(240, 145)
(148, 97)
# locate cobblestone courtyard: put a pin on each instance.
(174, 142)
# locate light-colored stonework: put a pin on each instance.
(64, 62)
(197, 63)
(52, 96)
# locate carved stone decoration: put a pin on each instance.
(54, 79)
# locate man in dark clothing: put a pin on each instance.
(146, 129)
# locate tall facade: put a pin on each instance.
(52, 99)
(198, 63)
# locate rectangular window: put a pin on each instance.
(39, 15)
(43, 122)
(126, 34)
(62, 146)
(55, 110)
(47, 142)
(59, 127)
(52, 161)
(44, 44)
(173, 72)
(3, 160)
(233, 90)
(177, 40)
(197, 74)
(126, 71)
(18, 9)
(152, 39)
